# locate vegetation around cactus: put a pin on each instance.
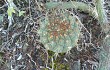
(54, 35)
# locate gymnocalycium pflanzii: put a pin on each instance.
(59, 31)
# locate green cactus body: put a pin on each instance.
(59, 32)
(102, 16)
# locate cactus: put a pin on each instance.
(102, 16)
(104, 55)
(73, 4)
(59, 32)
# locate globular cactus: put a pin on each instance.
(59, 32)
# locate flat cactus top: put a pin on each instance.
(59, 32)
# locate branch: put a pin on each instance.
(76, 5)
